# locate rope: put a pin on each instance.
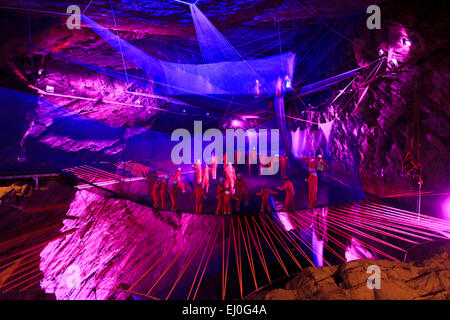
(120, 44)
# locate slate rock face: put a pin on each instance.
(116, 243)
(427, 279)
(408, 101)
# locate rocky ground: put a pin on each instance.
(419, 280)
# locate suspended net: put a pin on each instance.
(223, 74)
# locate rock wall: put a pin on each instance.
(410, 98)
(116, 243)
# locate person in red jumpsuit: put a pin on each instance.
(220, 193)
(283, 164)
(198, 172)
(151, 176)
(155, 194)
(288, 187)
(312, 189)
(205, 180)
(227, 196)
(239, 157)
(241, 192)
(252, 159)
(214, 167)
(163, 190)
(173, 193)
(178, 180)
(230, 177)
(199, 195)
(265, 197)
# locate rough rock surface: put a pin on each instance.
(428, 279)
(116, 243)
(408, 101)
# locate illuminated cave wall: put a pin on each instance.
(116, 242)
(411, 101)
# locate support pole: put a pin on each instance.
(419, 200)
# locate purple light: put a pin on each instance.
(236, 123)
(446, 208)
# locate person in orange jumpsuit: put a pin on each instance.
(239, 157)
(220, 194)
(290, 193)
(227, 196)
(283, 164)
(155, 193)
(199, 195)
(252, 159)
(224, 160)
(205, 180)
(312, 189)
(178, 180)
(163, 190)
(265, 197)
(214, 167)
(151, 176)
(230, 177)
(198, 172)
(173, 193)
(241, 192)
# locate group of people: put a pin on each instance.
(315, 170)
(158, 188)
(230, 187)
